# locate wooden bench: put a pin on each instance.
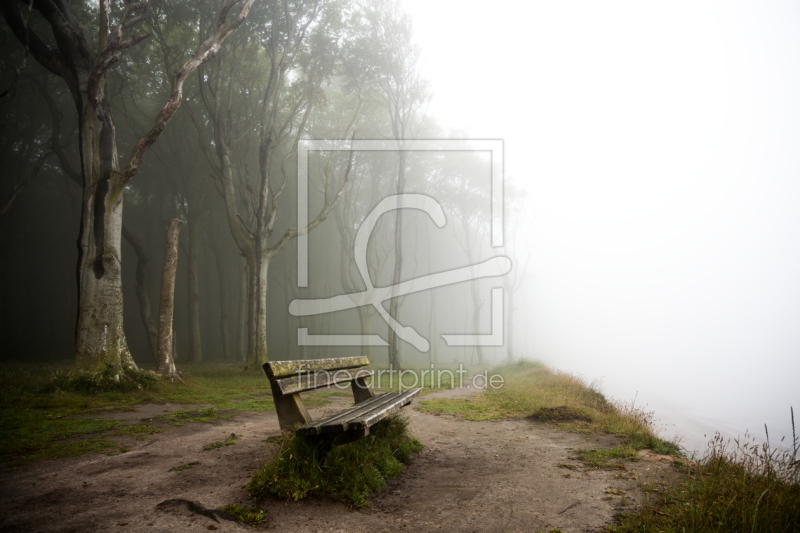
(289, 378)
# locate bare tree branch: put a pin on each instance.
(207, 50)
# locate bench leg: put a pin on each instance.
(361, 391)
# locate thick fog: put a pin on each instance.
(658, 144)
(650, 168)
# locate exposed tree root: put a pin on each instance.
(196, 508)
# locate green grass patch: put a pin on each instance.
(137, 431)
(430, 380)
(348, 473)
(45, 414)
(466, 409)
(608, 457)
(179, 418)
(534, 391)
(252, 517)
(40, 403)
(230, 441)
(740, 487)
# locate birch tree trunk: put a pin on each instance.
(166, 363)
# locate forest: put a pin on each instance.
(195, 112)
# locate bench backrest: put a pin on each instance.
(291, 377)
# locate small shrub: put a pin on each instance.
(303, 466)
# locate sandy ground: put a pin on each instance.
(471, 476)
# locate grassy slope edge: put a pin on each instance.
(735, 487)
(531, 389)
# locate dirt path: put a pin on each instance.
(471, 476)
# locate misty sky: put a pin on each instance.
(660, 148)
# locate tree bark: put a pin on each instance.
(166, 363)
(510, 327)
(241, 328)
(99, 338)
(394, 304)
(257, 352)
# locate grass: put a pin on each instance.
(735, 487)
(40, 405)
(532, 390)
(349, 473)
(137, 431)
(44, 414)
(230, 441)
(252, 516)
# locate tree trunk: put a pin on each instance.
(365, 317)
(394, 304)
(290, 339)
(166, 364)
(477, 304)
(99, 337)
(257, 313)
(223, 295)
(193, 289)
(432, 330)
(510, 322)
(257, 350)
(241, 332)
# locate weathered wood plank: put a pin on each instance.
(349, 436)
(339, 420)
(361, 392)
(290, 408)
(361, 416)
(379, 413)
(317, 380)
(282, 369)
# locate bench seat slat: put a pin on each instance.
(362, 415)
(367, 420)
(317, 380)
(345, 416)
(282, 369)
